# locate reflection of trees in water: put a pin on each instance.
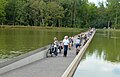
(108, 34)
(26, 39)
(108, 46)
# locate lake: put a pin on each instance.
(102, 58)
(17, 41)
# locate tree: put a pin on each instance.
(114, 11)
(60, 13)
(54, 12)
(2, 11)
(10, 10)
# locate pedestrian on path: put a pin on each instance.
(72, 40)
(65, 43)
(78, 44)
(70, 43)
(60, 47)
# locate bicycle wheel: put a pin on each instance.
(48, 53)
(55, 53)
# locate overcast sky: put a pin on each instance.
(96, 1)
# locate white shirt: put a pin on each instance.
(65, 41)
(78, 41)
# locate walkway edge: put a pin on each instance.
(24, 60)
(72, 67)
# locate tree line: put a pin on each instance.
(60, 13)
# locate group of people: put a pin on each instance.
(82, 39)
(67, 43)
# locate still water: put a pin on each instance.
(102, 58)
(16, 41)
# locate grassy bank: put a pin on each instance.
(46, 27)
(108, 29)
(20, 26)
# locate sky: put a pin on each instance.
(96, 1)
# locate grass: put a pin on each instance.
(46, 27)
(20, 26)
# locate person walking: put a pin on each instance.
(70, 43)
(78, 44)
(65, 43)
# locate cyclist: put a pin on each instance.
(55, 46)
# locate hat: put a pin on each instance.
(66, 37)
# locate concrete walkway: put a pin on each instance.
(47, 67)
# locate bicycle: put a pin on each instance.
(52, 51)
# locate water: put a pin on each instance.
(102, 58)
(16, 41)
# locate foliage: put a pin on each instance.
(60, 13)
(2, 11)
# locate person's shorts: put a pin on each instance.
(77, 45)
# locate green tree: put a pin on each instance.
(2, 11)
(54, 13)
(114, 11)
(39, 8)
(10, 10)
(60, 13)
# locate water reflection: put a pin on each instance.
(102, 58)
(14, 42)
(109, 43)
(94, 66)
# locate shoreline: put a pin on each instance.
(41, 27)
(20, 26)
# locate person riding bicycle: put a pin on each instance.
(55, 46)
